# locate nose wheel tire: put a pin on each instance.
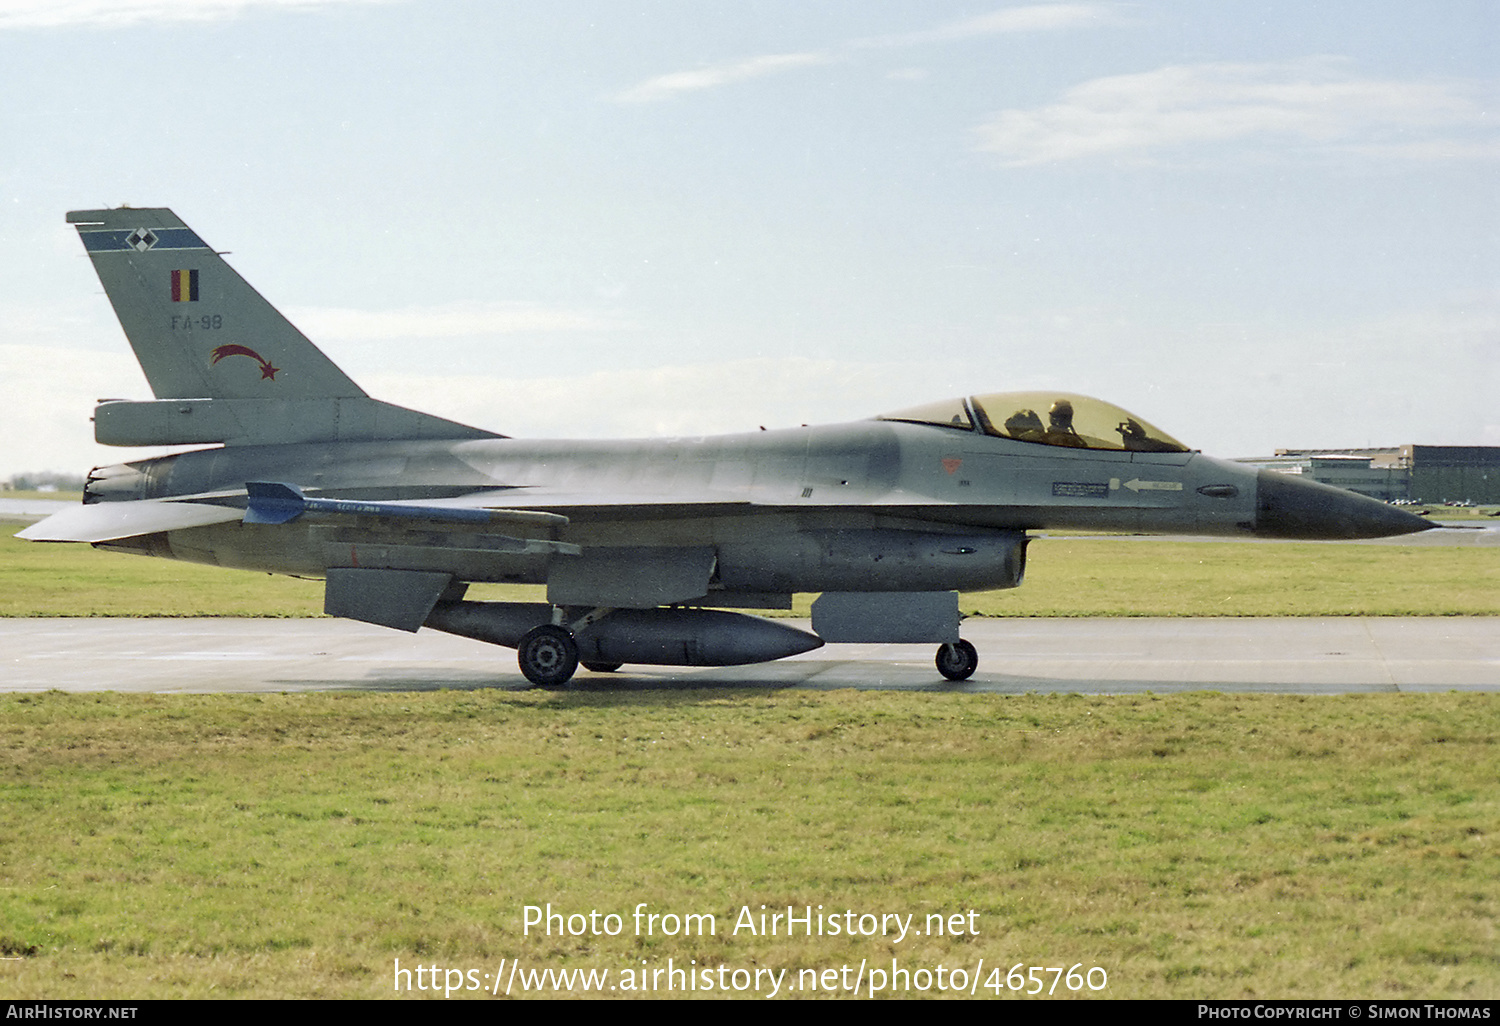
(957, 661)
(548, 656)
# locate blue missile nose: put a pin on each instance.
(1286, 507)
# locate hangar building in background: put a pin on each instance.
(1407, 473)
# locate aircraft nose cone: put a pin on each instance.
(1287, 507)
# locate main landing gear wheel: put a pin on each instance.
(957, 661)
(548, 656)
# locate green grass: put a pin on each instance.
(1191, 845)
(1064, 577)
(49, 496)
(49, 579)
(1139, 577)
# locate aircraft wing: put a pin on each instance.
(111, 521)
(513, 507)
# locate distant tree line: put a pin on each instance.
(45, 482)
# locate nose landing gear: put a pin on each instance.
(957, 660)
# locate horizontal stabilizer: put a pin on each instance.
(268, 422)
(111, 521)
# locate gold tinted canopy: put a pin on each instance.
(1048, 418)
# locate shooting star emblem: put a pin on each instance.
(266, 370)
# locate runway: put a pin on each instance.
(1311, 655)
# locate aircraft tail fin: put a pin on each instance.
(201, 332)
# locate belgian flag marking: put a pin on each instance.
(184, 286)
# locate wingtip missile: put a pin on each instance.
(274, 502)
(270, 502)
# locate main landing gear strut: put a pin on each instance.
(548, 655)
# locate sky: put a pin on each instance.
(1256, 225)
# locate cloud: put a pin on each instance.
(664, 87)
(22, 14)
(1315, 103)
(673, 400)
(48, 392)
(47, 395)
(1032, 18)
(450, 320)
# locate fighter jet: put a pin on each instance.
(644, 546)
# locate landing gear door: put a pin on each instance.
(631, 577)
(886, 617)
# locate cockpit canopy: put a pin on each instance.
(1048, 418)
